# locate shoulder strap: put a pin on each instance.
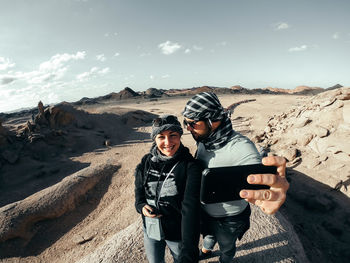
(160, 191)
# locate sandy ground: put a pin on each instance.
(109, 206)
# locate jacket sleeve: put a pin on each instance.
(140, 198)
(191, 215)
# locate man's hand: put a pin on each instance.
(269, 200)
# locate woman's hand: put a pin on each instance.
(269, 200)
(149, 212)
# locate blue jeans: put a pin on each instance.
(155, 250)
(225, 231)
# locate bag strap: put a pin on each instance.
(160, 191)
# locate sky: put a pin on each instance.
(63, 50)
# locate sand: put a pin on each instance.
(105, 216)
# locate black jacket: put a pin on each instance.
(180, 208)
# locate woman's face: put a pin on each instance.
(168, 142)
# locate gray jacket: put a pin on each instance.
(238, 151)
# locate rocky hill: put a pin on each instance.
(300, 90)
(314, 138)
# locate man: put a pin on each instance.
(219, 145)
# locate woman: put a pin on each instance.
(167, 185)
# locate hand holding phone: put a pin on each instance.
(149, 211)
(222, 184)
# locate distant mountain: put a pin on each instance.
(126, 93)
(302, 90)
(151, 93)
(337, 86)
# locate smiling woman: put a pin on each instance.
(168, 142)
(167, 183)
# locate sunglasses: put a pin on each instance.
(157, 122)
(189, 123)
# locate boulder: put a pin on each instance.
(17, 219)
(154, 93)
(321, 132)
(290, 153)
(40, 118)
(59, 118)
(305, 139)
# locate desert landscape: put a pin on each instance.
(66, 174)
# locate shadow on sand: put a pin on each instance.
(320, 216)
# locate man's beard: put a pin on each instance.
(199, 138)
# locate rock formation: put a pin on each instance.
(16, 219)
(317, 133)
(154, 93)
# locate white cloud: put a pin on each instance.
(169, 47)
(38, 78)
(94, 71)
(281, 26)
(165, 76)
(5, 63)
(336, 35)
(58, 60)
(101, 57)
(297, 49)
(151, 77)
(117, 54)
(83, 76)
(48, 71)
(187, 51)
(104, 71)
(42, 83)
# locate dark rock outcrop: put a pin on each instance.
(17, 219)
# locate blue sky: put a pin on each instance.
(55, 50)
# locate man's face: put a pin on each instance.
(199, 129)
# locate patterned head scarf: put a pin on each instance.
(206, 106)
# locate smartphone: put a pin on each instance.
(222, 184)
(154, 211)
